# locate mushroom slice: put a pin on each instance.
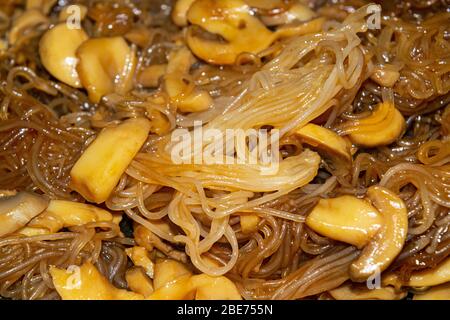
(174, 281)
(381, 128)
(179, 12)
(236, 23)
(167, 271)
(98, 170)
(325, 139)
(350, 292)
(427, 278)
(87, 283)
(150, 76)
(57, 50)
(385, 75)
(64, 214)
(441, 292)
(106, 66)
(140, 258)
(29, 19)
(231, 19)
(297, 12)
(249, 222)
(17, 210)
(214, 288)
(346, 218)
(138, 281)
(181, 90)
(379, 253)
(145, 238)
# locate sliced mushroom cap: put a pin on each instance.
(249, 222)
(231, 19)
(382, 127)
(181, 90)
(140, 258)
(87, 283)
(138, 281)
(57, 50)
(106, 66)
(433, 277)
(346, 218)
(65, 214)
(379, 253)
(174, 281)
(441, 292)
(179, 12)
(385, 76)
(17, 210)
(237, 24)
(166, 271)
(350, 292)
(325, 139)
(297, 12)
(98, 170)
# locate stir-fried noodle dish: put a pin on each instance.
(225, 149)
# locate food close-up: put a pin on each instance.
(224, 150)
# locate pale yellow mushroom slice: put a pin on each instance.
(325, 139)
(87, 283)
(178, 289)
(140, 258)
(242, 31)
(182, 91)
(31, 18)
(249, 222)
(138, 281)
(3, 46)
(145, 238)
(297, 12)
(65, 214)
(98, 170)
(382, 127)
(18, 209)
(179, 12)
(106, 65)
(385, 76)
(167, 271)
(441, 292)
(232, 19)
(214, 288)
(173, 280)
(432, 277)
(57, 49)
(379, 253)
(345, 218)
(150, 76)
(349, 292)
